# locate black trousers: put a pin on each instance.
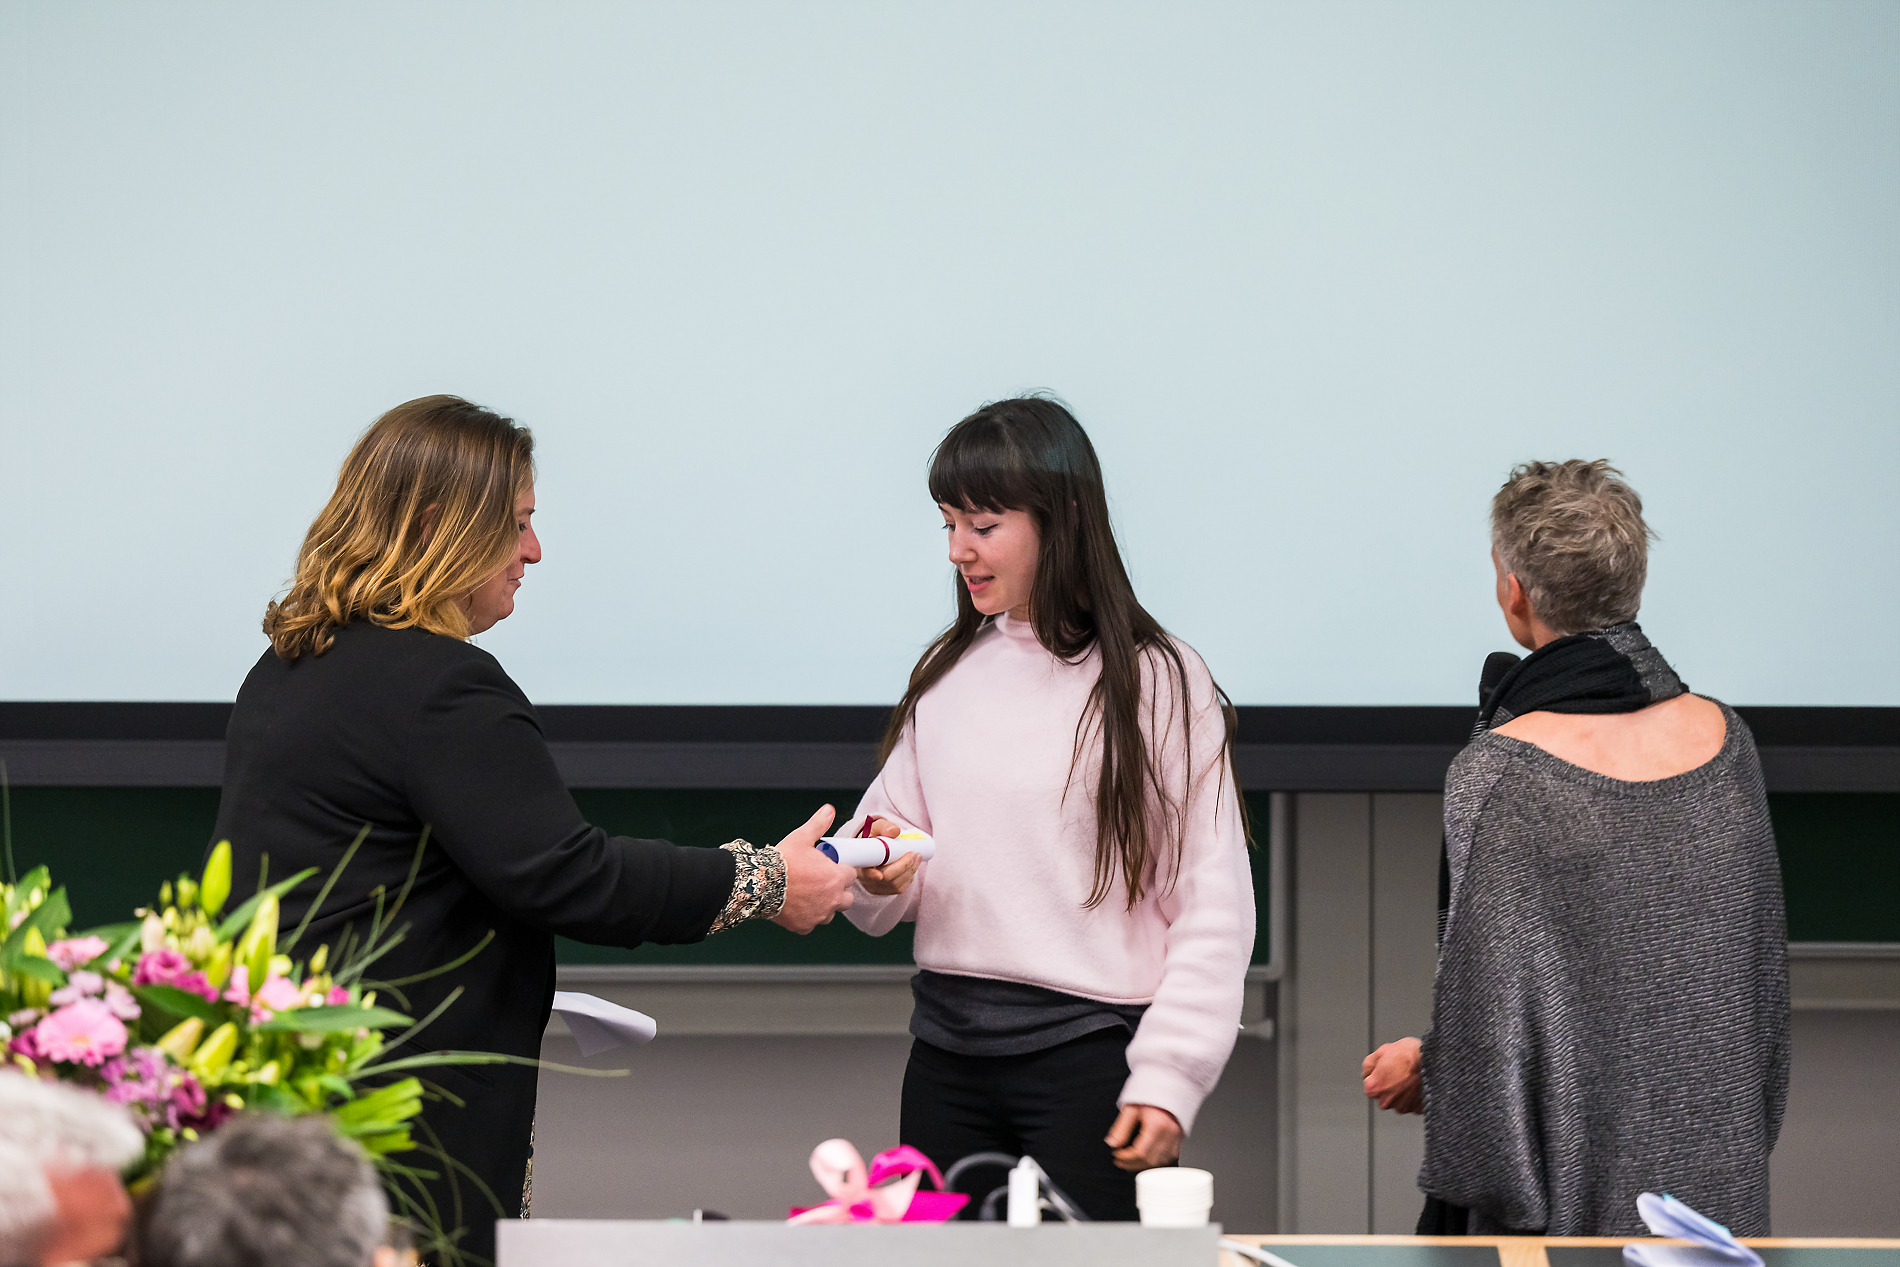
(1441, 1218)
(1055, 1105)
(491, 1136)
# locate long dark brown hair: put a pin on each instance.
(1030, 454)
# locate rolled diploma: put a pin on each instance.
(875, 851)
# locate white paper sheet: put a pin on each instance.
(598, 1025)
(1714, 1245)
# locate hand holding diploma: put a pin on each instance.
(816, 888)
(894, 876)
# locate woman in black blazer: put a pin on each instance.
(372, 708)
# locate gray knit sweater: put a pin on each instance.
(1611, 1009)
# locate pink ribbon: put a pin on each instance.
(886, 1193)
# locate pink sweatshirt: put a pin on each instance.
(983, 769)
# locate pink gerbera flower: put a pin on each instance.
(83, 1033)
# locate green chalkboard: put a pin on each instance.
(111, 846)
(1840, 856)
(1840, 865)
(716, 817)
(711, 818)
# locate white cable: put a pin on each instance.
(1254, 1252)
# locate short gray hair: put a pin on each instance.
(42, 1124)
(26, 1207)
(58, 1125)
(267, 1189)
(1573, 535)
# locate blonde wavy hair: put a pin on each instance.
(423, 514)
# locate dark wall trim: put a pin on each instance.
(1282, 749)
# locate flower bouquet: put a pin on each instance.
(190, 1013)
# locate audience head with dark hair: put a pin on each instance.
(287, 1192)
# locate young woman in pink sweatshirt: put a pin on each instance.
(1084, 929)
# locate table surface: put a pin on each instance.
(1541, 1251)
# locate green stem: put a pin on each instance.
(450, 966)
(324, 892)
(6, 821)
(423, 1024)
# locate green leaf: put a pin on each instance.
(119, 938)
(124, 946)
(329, 1020)
(180, 1003)
(241, 917)
(262, 1095)
(49, 917)
(383, 1109)
(339, 1086)
(34, 966)
(40, 877)
(396, 1141)
(434, 1058)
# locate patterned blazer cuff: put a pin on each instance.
(758, 885)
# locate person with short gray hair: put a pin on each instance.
(26, 1207)
(61, 1153)
(1610, 1014)
(264, 1189)
(1573, 535)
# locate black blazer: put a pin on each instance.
(398, 729)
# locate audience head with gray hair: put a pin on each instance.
(262, 1189)
(61, 1154)
(1573, 536)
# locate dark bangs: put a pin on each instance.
(1002, 458)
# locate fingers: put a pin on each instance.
(1378, 1074)
(1149, 1150)
(1126, 1123)
(1157, 1144)
(815, 887)
(898, 872)
(1401, 1094)
(815, 826)
(884, 827)
(901, 872)
(892, 878)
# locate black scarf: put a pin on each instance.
(1613, 670)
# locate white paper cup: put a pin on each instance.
(1174, 1196)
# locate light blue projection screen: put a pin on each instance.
(1314, 275)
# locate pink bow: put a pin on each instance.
(873, 1197)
